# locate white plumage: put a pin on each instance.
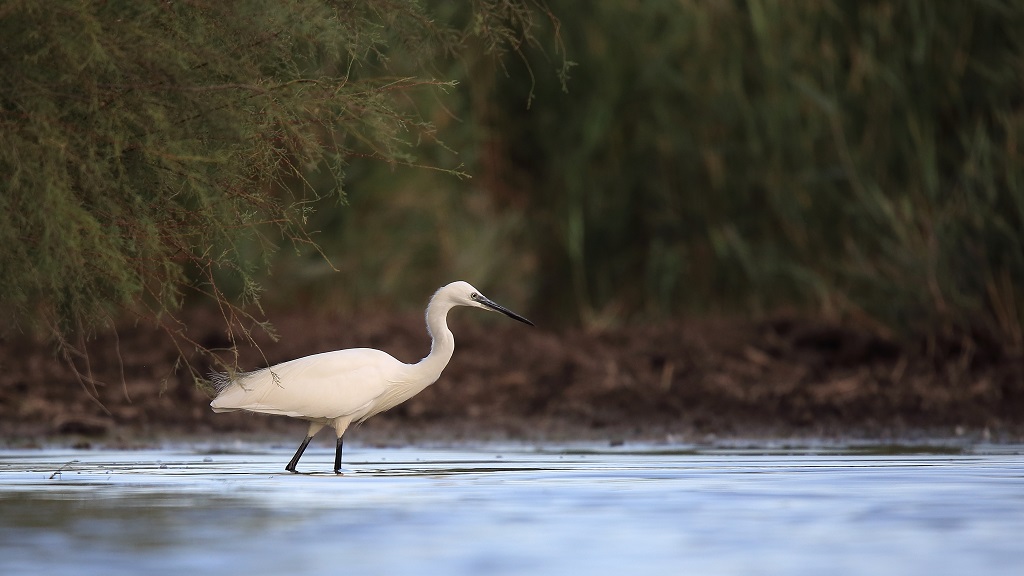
(345, 386)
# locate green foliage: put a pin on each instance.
(155, 150)
(860, 156)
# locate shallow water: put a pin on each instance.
(515, 510)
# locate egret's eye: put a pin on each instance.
(474, 296)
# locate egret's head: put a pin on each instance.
(464, 294)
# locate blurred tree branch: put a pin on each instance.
(155, 151)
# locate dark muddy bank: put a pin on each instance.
(687, 379)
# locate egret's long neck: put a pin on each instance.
(442, 341)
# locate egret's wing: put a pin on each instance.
(328, 385)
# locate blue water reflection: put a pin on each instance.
(514, 510)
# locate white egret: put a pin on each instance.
(348, 386)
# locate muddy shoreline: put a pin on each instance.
(684, 381)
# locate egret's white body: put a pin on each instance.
(345, 386)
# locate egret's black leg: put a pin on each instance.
(298, 454)
(337, 458)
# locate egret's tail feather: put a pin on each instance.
(223, 380)
(220, 381)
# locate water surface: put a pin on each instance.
(498, 509)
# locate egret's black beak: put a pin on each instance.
(498, 307)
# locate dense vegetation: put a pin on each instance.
(860, 160)
(154, 151)
(856, 159)
(861, 157)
